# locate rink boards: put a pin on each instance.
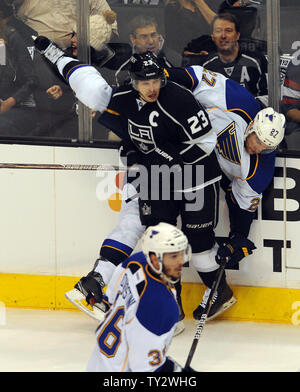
(53, 223)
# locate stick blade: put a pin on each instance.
(97, 311)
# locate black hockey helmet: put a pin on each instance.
(144, 66)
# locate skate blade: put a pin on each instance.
(223, 308)
(78, 300)
(179, 327)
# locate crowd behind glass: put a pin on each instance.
(223, 36)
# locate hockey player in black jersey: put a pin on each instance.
(166, 126)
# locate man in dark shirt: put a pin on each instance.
(246, 68)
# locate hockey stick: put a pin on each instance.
(204, 315)
(46, 166)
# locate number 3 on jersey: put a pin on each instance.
(110, 337)
(197, 123)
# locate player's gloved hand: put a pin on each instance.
(91, 287)
(48, 48)
(234, 250)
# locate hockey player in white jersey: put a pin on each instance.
(247, 138)
(142, 309)
(242, 132)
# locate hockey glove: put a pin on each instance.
(234, 250)
(48, 48)
(91, 287)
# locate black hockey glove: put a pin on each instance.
(91, 287)
(234, 250)
(49, 49)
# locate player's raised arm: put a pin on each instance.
(86, 82)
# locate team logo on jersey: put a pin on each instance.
(229, 71)
(140, 104)
(142, 137)
(227, 144)
(146, 209)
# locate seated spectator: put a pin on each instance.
(246, 13)
(144, 36)
(18, 115)
(247, 68)
(291, 98)
(100, 31)
(56, 19)
(186, 20)
(54, 118)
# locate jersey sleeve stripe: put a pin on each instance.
(112, 112)
(241, 113)
(71, 70)
(254, 170)
(290, 83)
(192, 75)
(117, 246)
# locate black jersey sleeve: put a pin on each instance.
(193, 124)
(111, 118)
(180, 76)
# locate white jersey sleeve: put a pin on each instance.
(87, 83)
(213, 89)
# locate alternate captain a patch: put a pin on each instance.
(142, 136)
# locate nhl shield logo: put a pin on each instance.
(146, 209)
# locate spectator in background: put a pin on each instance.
(246, 68)
(186, 20)
(56, 19)
(291, 98)
(100, 31)
(246, 13)
(55, 118)
(18, 115)
(144, 36)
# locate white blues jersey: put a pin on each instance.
(230, 108)
(137, 330)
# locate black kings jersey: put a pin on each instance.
(249, 69)
(173, 130)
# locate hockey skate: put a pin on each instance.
(222, 301)
(83, 298)
(179, 327)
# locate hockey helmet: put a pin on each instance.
(145, 66)
(164, 238)
(269, 127)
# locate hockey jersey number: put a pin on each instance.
(110, 337)
(197, 123)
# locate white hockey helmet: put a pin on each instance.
(269, 127)
(164, 238)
